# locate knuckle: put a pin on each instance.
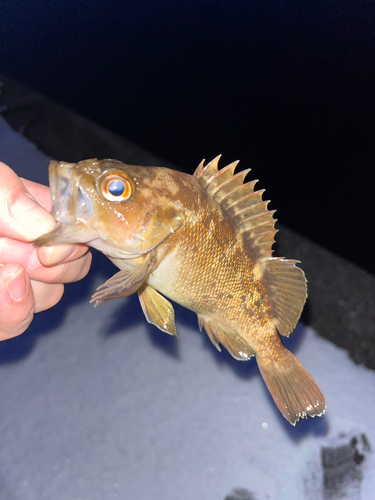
(74, 271)
(19, 322)
(48, 296)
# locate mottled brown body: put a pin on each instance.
(211, 271)
(204, 241)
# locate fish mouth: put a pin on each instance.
(70, 203)
(70, 207)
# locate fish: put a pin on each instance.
(203, 241)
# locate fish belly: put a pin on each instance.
(165, 277)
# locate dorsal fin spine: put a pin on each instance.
(250, 184)
(199, 169)
(256, 220)
(229, 169)
(247, 198)
(216, 182)
(206, 174)
(236, 181)
(234, 195)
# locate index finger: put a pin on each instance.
(39, 192)
(21, 217)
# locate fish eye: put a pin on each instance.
(115, 188)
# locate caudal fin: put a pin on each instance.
(292, 388)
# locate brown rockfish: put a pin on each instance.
(204, 241)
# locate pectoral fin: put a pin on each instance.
(122, 284)
(158, 310)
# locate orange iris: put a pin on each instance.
(115, 188)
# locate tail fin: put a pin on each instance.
(292, 388)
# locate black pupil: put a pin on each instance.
(116, 188)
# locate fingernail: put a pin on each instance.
(16, 285)
(55, 255)
(32, 219)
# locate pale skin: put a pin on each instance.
(31, 279)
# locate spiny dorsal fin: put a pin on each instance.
(242, 204)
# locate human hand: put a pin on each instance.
(31, 279)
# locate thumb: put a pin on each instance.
(21, 217)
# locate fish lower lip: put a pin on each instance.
(67, 233)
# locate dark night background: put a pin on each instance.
(287, 87)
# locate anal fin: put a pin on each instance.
(157, 309)
(220, 334)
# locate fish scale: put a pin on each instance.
(204, 241)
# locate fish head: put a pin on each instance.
(123, 210)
